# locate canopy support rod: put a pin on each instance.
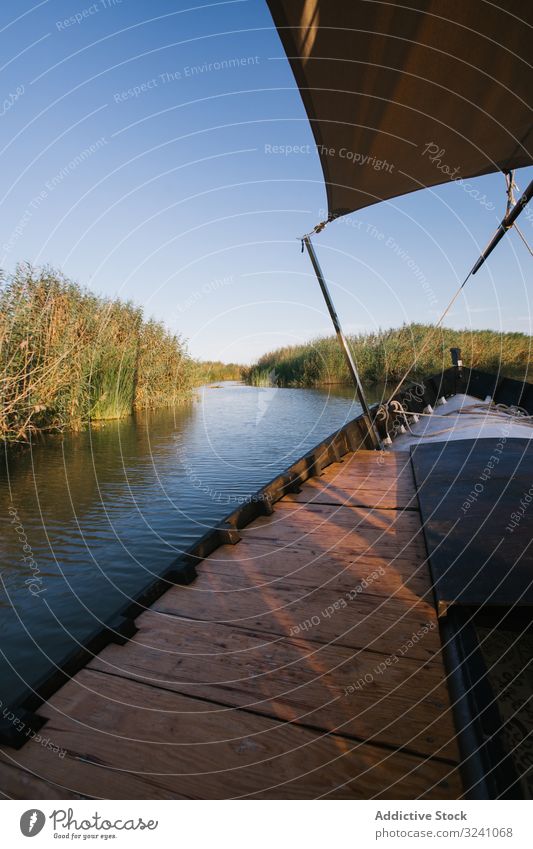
(506, 225)
(352, 368)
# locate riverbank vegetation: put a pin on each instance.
(387, 355)
(68, 356)
(213, 371)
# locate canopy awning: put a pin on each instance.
(406, 95)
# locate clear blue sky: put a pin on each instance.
(133, 157)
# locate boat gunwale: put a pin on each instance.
(350, 438)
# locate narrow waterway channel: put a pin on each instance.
(90, 518)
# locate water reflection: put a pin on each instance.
(90, 518)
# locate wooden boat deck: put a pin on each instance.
(303, 662)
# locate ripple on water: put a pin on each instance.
(102, 512)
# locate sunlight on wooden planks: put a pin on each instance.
(303, 662)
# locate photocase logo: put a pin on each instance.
(32, 822)
(266, 395)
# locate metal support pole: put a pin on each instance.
(352, 368)
(506, 225)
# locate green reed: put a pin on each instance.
(387, 354)
(68, 357)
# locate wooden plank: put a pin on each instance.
(303, 662)
(367, 478)
(361, 528)
(349, 517)
(359, 620)
(17, 782)
(394, 465)
(379, 458)
(254, 564)
(76, 776)
(364, 494)
(177, 746)
(338, 541)
(406, 704)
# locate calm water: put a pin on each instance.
(102, 512)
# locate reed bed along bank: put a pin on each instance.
(213, 371)
(68, 357)
(386, 356)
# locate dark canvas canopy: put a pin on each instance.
(405, 95)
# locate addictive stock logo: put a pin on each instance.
(32, 822)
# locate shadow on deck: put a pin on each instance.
(303, 662)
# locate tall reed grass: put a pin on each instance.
(68, 357)
(211, 371)
(386, 356)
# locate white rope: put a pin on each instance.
(518, 230)
(429, 337)
(511, 201)
(316, 229)
(486, 412)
